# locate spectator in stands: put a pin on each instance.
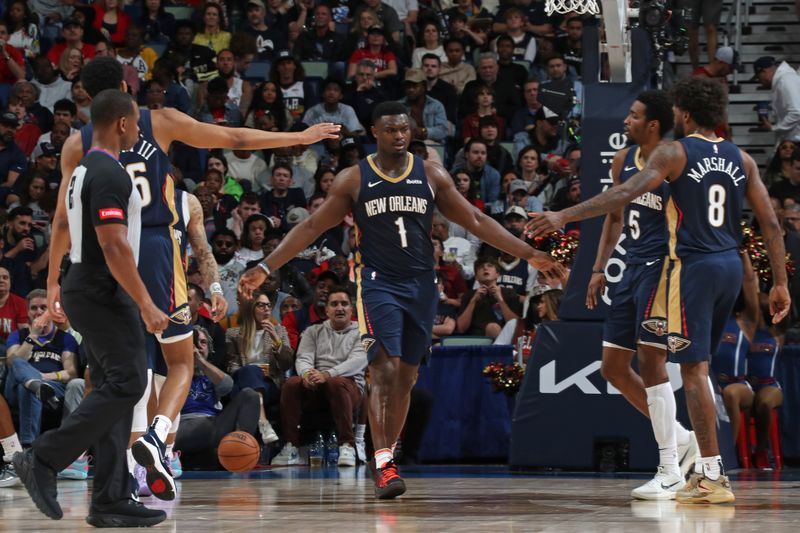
(50, 85)
(439, 89)
(70, 65)
(23, 242)
(12, 61)
(224, 203)
(165, 72)
(196, 58)
(319, 43)
(40, 363)
(240, 93)
(484, 107)
(519, 196)
(709, 11)
(780, 164)
(111, 20)
(27, 131)
(507, 97)
(547, 305)
(455, 71)
(218, 110)
(487, 177)
(468, 189)
(471, 37)
(133, 52)
(34, 191)
(545, 135)
(570, 46)
(430, 118)
(213, 35)
(331, 109)
(455, 249)
(23, 28)
(407, 12)
(36, 113)
(277, 202)
(248, 168)
(13, 309)
(785, 85)
(82, 102)
(788, 186)
(202, 317)
(567, 196)
(288, 74)
(272, 289)
(253, 233)
(248, 205)
(72, 33)
(268, 102)
(364, 95)
(157, 23)
(524, 120)
(85, 15)
(313, 313)
(485, 310)
(430, 39)
(323, 179)
(387, 16)
(357, 37)
(444, 323)
(269, 39)
(508, 70)
(204, 422)
(12, 159)
(376, 51)
(259, 355)
(523, 42)
(331, 364)
(560, 93)
(224, 245)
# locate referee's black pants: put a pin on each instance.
(108, 319)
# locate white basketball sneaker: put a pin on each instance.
(288, 456)
(687, 453)
(663, 486)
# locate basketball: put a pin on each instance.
(238, 452)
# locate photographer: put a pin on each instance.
(485, 310)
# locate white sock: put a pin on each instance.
(131, 460)
(710, 467)
(169, 451)
(11, 446)
(360, 428)
(382, 456)
(661, 405)
(682, 435)
(162, 425)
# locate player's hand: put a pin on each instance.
(250, 281)
(597, 285)
(546, 264)
(219, 306)
(155, 321)
(779, 302)
(320, 132)
(54, 307)
(543, 223)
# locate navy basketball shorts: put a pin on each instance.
(626, 324)
(162, 271)
(396, 314)
(702, 290)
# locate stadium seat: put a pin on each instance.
(180, 12)
(258, 71)
(315, 69)
(464, 340)
(157, 47)
(525, 63)
(746, 440)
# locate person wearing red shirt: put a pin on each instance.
(12, 63)
(110, 19)
(13, 309)
(73, 38)
(376, 51)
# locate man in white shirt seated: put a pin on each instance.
(332, 110)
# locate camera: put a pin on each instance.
(665, 21)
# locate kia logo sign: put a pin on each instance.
(549, 384)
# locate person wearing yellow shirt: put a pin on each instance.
(213, 36)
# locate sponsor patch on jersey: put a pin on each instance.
(182, 316)
(367, 342)
(676, 343)
(110, 212)
(656, 326)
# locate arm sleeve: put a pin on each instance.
(108, 199)
(305, 351)
(13, 339)
(356, 360)
(70, 344)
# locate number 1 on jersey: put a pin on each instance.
(401, 229)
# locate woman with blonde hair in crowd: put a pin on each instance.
(70, 64)
(259, 353)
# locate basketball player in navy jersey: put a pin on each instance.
(148, 165)
(393, 195)
(628, 328)
(709, 178)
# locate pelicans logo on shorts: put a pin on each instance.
(182, 316)
(656, 326)
(676, 343)
(367, 342)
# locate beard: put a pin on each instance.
(223, 259)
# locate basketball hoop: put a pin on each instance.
(581, 7)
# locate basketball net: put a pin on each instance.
(566, 6)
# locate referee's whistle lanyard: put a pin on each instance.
(104, 151)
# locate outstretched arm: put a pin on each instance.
(456, 208)
(665, 162)
(205, 259)
(330, 213)
(758, 198)
(172, 125)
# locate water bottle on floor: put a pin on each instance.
(332, 450)
(316, 451)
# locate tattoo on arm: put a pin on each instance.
(200, 247)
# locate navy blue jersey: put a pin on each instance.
(705, 206)
(645, 224)
(149, 168)
(514, 276)
(393, 220)
(762, 355)
(730, 360)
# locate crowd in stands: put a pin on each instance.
(494, 92)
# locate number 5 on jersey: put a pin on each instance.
(137, 171)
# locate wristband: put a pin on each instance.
(58, 375)
(263, 266)
(216, 288)
(30, 341)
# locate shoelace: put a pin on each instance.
(388, 473)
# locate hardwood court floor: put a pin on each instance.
(489, 499)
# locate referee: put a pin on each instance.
(101, 293)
